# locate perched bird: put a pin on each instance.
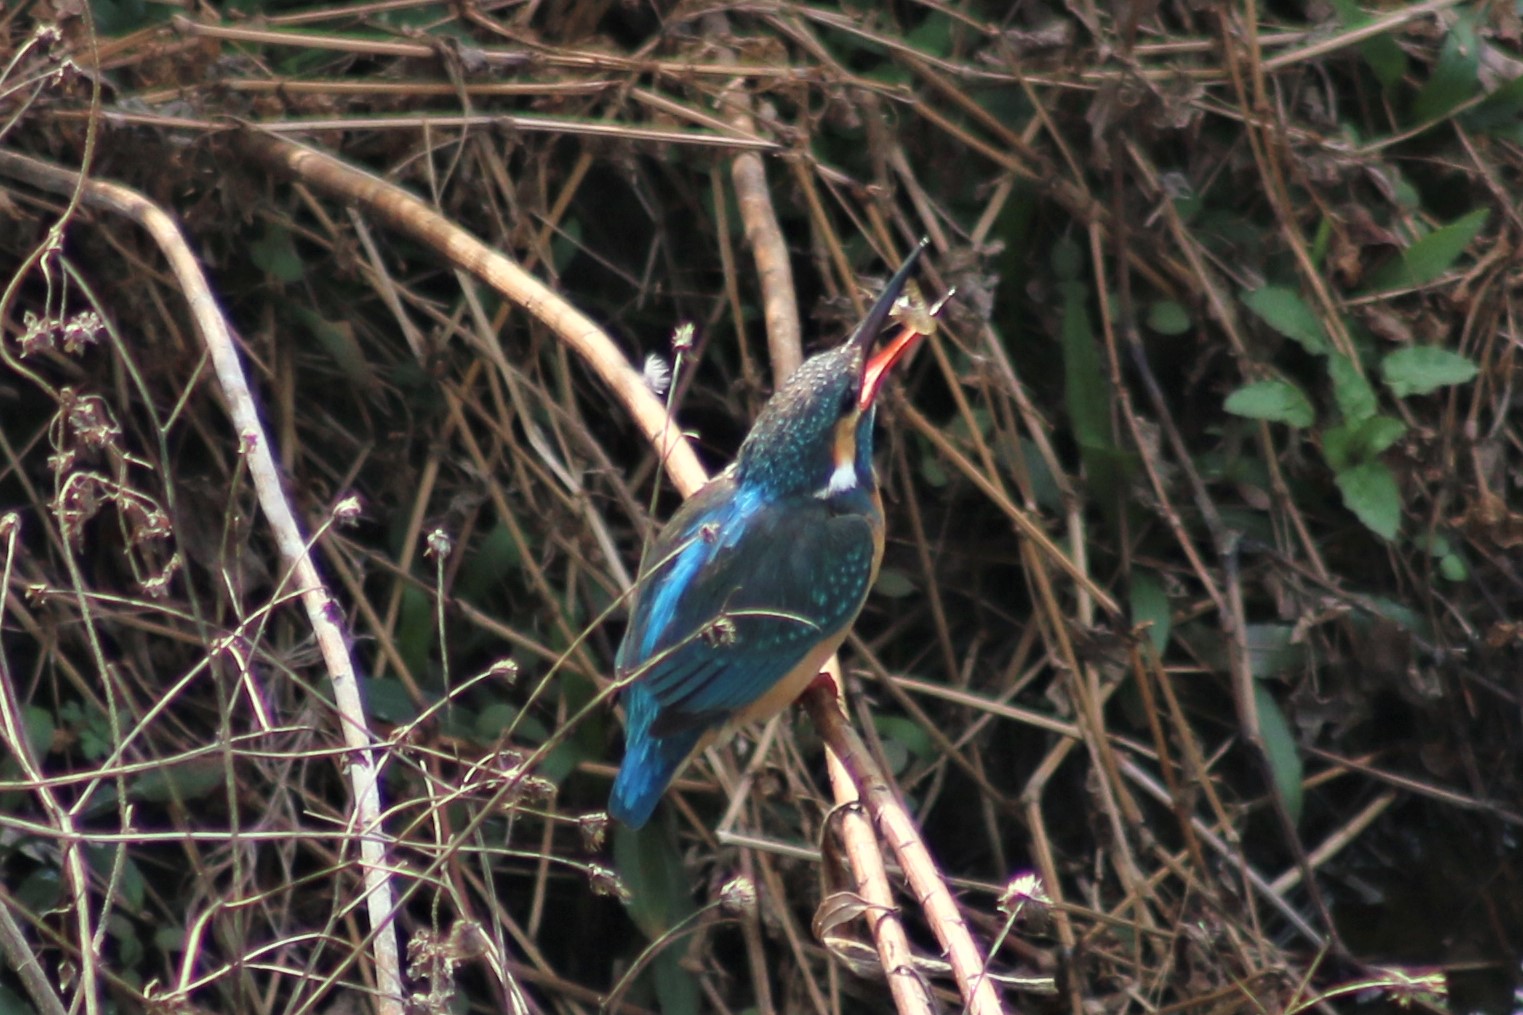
(755, 581)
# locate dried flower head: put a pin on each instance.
(606, 882)
(737, 897)
(438, 545)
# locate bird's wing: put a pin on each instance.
(736, 595)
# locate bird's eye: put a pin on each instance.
(848, 402)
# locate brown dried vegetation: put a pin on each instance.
(1196, 650)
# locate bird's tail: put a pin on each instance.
(650, 762)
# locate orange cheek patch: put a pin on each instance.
(846, 442)
(843, 474)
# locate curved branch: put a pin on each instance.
(363, 770)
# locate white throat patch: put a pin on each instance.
(842, 479)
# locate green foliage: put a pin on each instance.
(1280, 747)
(1455, 77)
(1276, 401)
(1352, 392)
(275, 252)
(490, 560)
(1284, 311)
(660, 893)
(1150, 605)
(934, 35)
(1382, 140)
(11, 1003)
(90, 726)
(1422, 369)
(1348, 444)
(1382, 52)
(336, 338)
(660, 898)
(118, 17)
(1501, 114)
(1431, 256)
(1272, 649)
(1351, 446)
(893, 583)
(180, 783)
(903, 739)
(1369, 490)
(1168, 318)
(131, 887)
(1451, 563)
(388, 700)
(1086, 388)
(39, 731)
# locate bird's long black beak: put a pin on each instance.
(876, 367)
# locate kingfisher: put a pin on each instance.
(754, 582)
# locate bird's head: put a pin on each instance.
(815, 435)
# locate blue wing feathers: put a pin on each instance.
(783, 577)
(650, 762)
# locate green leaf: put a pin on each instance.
(1284, 311)
(677, 990)
(1085, 388)
(1382, 53)
(894, 583)
(1350, 443)
(127, 943)
(1338, 446)
(933, 35)
(1280, 746)
(1272, 649)
(387, 699)
(168, 937)
(121, 17)
(132, 887)
(1150, 605)
(11, 1003)
(1067, 259)
(1351, 390)
(903, 739)
(931, 469)
(652, 870)
(1386, 58)
(179, 783)
(39, 891)
(565, 245)
(1378, 433)
(39, 730)
(1168, 318)
(1277, 401)
(486, 564)
(1419, 369)
(1431, 256)
(91, 727)
(1502, 111)
(1452, 567)
(338, 340)
(275, 252)
(1454, 78)
(1369, 490)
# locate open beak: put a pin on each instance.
(875, 367)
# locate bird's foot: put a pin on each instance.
(823, 681)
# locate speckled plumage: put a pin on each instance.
(755, 581)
